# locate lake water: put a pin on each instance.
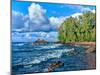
(32, 58)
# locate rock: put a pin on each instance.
(39, 41)
(91, 49)
(55, 65)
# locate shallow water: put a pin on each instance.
(31, 58)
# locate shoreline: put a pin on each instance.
(90, 52)
(82, 43)
(88, 58)
(90, 46)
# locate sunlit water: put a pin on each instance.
(31, 58)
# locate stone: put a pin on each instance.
(55, 65)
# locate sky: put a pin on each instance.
(33, 20)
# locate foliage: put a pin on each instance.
(78, 29)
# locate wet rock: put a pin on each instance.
(55, 65)
(91, 49)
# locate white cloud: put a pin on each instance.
(17, 20)
(33, 36)
(82, 8)
(56, 20)
(37, 18)
(52, 36)
(94, 11)
(79, 7)
(36, 13)
(76, 14)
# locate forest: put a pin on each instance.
(81, 28)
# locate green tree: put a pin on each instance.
(80, 28)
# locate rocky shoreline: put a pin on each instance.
(89, 58)
(90, 46)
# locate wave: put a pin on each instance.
(18, 44)
(44, 57)
(49, 55)
(45, 52)
(48, 46)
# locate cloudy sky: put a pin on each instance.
(31, 20)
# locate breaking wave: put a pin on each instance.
(45, 52)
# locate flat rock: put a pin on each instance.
(91, 49)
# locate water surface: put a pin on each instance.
(33, 58)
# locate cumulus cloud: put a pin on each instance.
(35, 20)
(17, 20)
(56, 21)
(38, 20)
(37, 14)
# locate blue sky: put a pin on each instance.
(52, 8)
(41, 19)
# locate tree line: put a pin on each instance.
(81, 28)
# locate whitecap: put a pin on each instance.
(50, 46)
(35, 61)
(50, 54)
(19, 44)
(27, 66)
